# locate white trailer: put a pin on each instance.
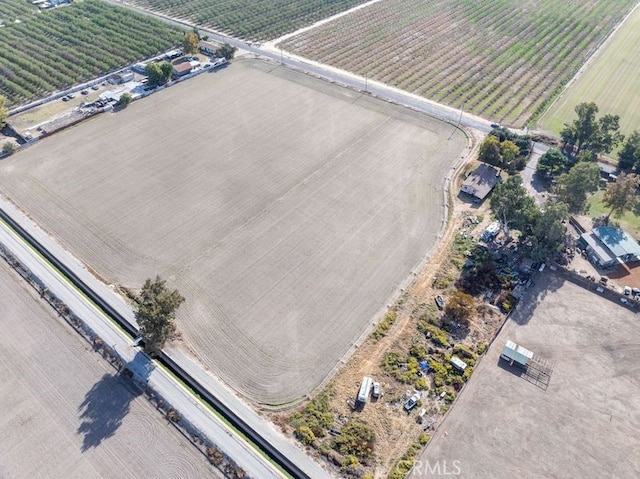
(365, 389)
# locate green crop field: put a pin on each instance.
(49, 50)
(502, 59)
(612, 81)
(250, 19)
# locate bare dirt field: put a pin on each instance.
(287, 210)
(584, 424)
(64, 411)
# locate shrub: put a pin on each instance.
(418, 351)
(357, 439)
(383, 326)
(482, 347)
(423, 439)
(305, 435)
(437, 335)
(421, 384)
(315, 415)
(349, 463)
(9, 148)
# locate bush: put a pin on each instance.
(421, 384)
(9, 148)
(423, 439)
(418, 351)
(315, 415)
(357, 439)
(349, 463)
(437, 335)
(482, 347)
(305, 435)
(383, 327)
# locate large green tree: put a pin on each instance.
(490, 151)
(621, 195)
(158, 73)
(226, 51)
(512, 206)
(509, 151)
(552, 163)
(573, 187)
(590, 133)
(155, 310)
(549, 232)
(629, 155)
(4, 112)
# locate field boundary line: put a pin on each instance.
(445, 230)
(587, 63)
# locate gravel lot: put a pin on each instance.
(587, 422)
(65, 414)
(286, 209)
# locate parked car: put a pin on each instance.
(84, 92)
(376, 390)
(95, 87)
(439, 302)
(496, 125)
(600, 289)
(624, 300)
(627, 290)
(411, 403)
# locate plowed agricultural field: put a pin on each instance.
(501, 59)
(287, 210)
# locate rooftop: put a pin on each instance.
(618, 241)
(481, 181)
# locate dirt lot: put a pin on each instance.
(585, 424)
(287, 210)
(65, 414)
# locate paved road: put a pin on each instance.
(343, 77)
(529, 178)
(190, 407)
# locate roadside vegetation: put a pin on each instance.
(252, 20)
(45, 51)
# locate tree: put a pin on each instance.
(155, 310)
(190, 43)
(512, 206)
(609, 136)
(549, 231)
(621, 195)
(158, 73)
(573, 187)
(4, 112)
(490, 151)
(629, 156)
(9, 148)
(595, 135)
(226, 51)
(124, 100)
(552, 163)
(460, 307)
(509, 151)
(583, 129)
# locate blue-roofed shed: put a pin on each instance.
(607, 246)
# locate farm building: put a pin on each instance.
(208, 48)
(516, 354)
(481, 181)
(184, 68)
(120, 78)
(607, 246)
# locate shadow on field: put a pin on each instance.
(107, 403)
(543, 283)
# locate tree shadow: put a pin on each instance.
(108, 402)
(542, 284)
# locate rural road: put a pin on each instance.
(182, 399)
(335, 75)
(529, 179)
